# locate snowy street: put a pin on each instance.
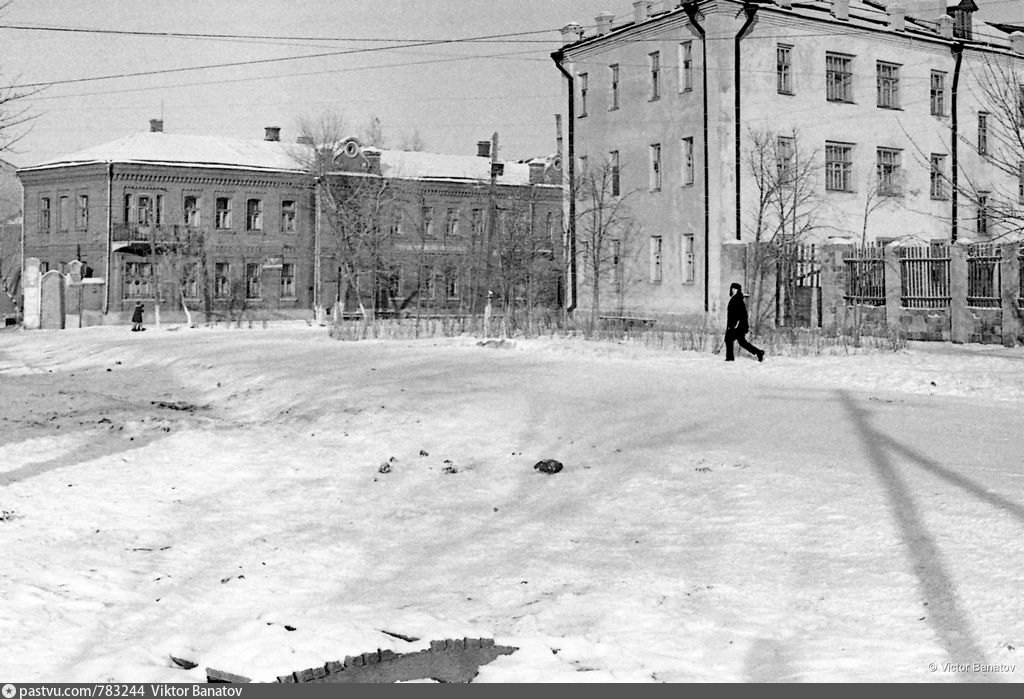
(217, 495)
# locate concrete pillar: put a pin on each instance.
(1009, 269)
(960, 320)
(893, 287)
(31, 288)
(833, 283)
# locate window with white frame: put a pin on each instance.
(288, 280)
(889, 170)
(838, 167)
(887, 77)
(252, 280)
(222, 211)
(222, 280)
(427, 218)
(838, 77)
(144, 210)
(983, 133)
(254, 215)
(138, 280)
(785, 159)
(937, 188)
(451, 223)
(427, 286)
(654, 63)
(689, 269)
(613, 97)
(289, 213)
(686, 66)
(613, 160)
(983, 214)
(192, 213)
(937, 93)
(784, 69)
(584, 87)
(655, 271)
(44, 214)
(655, 166)
(451, 283)
(83, 211)
(686, 148)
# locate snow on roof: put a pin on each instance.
(274, 156)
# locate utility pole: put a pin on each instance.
(492, 211)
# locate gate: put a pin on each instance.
(798, 286)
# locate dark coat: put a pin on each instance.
(736, 318)
(137, 315)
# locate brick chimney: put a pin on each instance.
(841, 9)
(897, 17)
(483, 149)
(604, 22)
(641, 10)
(946, 27)
(272, 133)
(156, 125)
(571, 33)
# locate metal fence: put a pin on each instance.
(865, 276)
(924, 276)
(984, 279)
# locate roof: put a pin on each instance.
(180, 150)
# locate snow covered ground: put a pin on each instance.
(216, 495)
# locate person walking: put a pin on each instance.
(137, 317)
(737, 325)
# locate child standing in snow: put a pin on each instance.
(137, 317)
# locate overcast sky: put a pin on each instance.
(454, 95)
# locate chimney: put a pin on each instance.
(641, 9)
(483, 149)
(841, 9)
(272, 133)
(372, 161)
(604, 22)
(669, 5)
(946, 27)
(571, 33)
(1017, 42)
(558, 133)
(788, 4)
(537, 172)
(304, 141)
(897, 17)
(156, 125)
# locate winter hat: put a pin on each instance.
(736, 286)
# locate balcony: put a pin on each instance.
(139, 239)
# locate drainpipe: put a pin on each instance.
(691, 12)
(751, 12)
(958, 52)
(110, 236)
(558, 57)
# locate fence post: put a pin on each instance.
(893, 286)
(959, 319)
(1009, 268)
(833, 283)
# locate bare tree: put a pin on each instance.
(184, 261)
(373, 133)
(605, 229)
(783, 216)
(412, 141)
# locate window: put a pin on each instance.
(615, 252)
(656, 259)
(686, 66)
(193, 216)
(138, 279)
(583, 165)
(613, 159)
(144, 210)
(783, 69)
(63, 213)
(613, 101)
(254, 215)
(426, 282)
(451, 223)
(962, 24)
(584, 85)
(427, 214)
(689, 269)
(222, 280)
(477, 223)
(1020, 182)
(888, 84)
(223, 213)
(785, 155)
(983, 133)
(288, 280)
(44, 214)
(252, 280)
(838, 166)
(158, 210)
(983, 227)
(83, 211)
(451, 283)
(938, 176)
(656, 167)
(190, 279)
(888, 164)
(687, 158)
(654, 61)
(838, 77)
(938, 93)
(288, 215)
